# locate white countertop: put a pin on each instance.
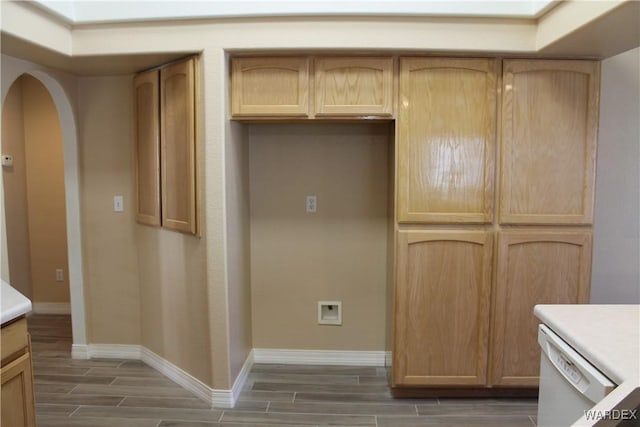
(608, 336)
(12, 303)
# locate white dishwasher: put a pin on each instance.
(569, 384)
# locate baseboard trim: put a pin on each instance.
(51, 307)
(319, 357)
(80, 351)
(177, 375)
(388, 359)
(220, 398)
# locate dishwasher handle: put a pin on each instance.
(583, 376)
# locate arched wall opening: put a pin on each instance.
(71, 197)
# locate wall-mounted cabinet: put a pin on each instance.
(442, 307)
(165, 108)
(353, 86)
(309, 87)
(446, 140)
(147, 119)
(268, 86)
(533, 267)
(549, 131)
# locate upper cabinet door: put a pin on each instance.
(549, 126)
(270, 87)
(147, 144)
(446, 140)
(178, 146)
(354, 86)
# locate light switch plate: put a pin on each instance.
(118, 204)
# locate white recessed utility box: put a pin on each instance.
(330, 312)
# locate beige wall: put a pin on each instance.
(15, 190)
(109, 244)
(616, 244)
(338, 253)
(35, 197)
(173, 299)
(238, 246)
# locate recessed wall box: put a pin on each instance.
(330, 312)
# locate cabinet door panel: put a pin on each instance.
(147, 116)
(533, 267)
(17, 406)
(442, 307)
(446, 140)
(353, 86)
(269, 86)
(549, 126)
(178, 147)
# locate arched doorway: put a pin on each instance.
(70, 179)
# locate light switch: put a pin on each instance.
(118, 204)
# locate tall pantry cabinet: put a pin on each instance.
(467, 278)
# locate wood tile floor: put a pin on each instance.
(108, 392)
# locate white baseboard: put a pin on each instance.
(388, 359)
(319, 357)
(80, 351)
(215, 397)
(51, 307)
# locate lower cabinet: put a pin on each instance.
(453, 328)
(442, 308)
(534, 267)
(16, 376)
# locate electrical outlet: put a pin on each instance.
(59, 275)
(312, 204)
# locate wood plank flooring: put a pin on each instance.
(108, 392)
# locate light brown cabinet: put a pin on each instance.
(442, 308)
(353, 86)
(178, 146)
(147, 156)
(268, 86)
(533, 267)
(310, 87)
(549, 131)
(446, 140)
(445, 165)
(16, 376)
(166, 145)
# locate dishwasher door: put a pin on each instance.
(569, 385)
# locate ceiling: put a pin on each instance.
(90, 12)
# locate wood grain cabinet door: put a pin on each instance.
(533, 267)
(178, 146)
(442, 308)
(354, 86)
(147, 146)
(446, 140)
(549, 127)
(16, 393)
(270, 87)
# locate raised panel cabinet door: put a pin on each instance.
(533, 267)
(16, 393)
(270, 86)
(446, 140)
(354, 86)
(178, 146)
(442, 308)
(549, 131)
(147, 146)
